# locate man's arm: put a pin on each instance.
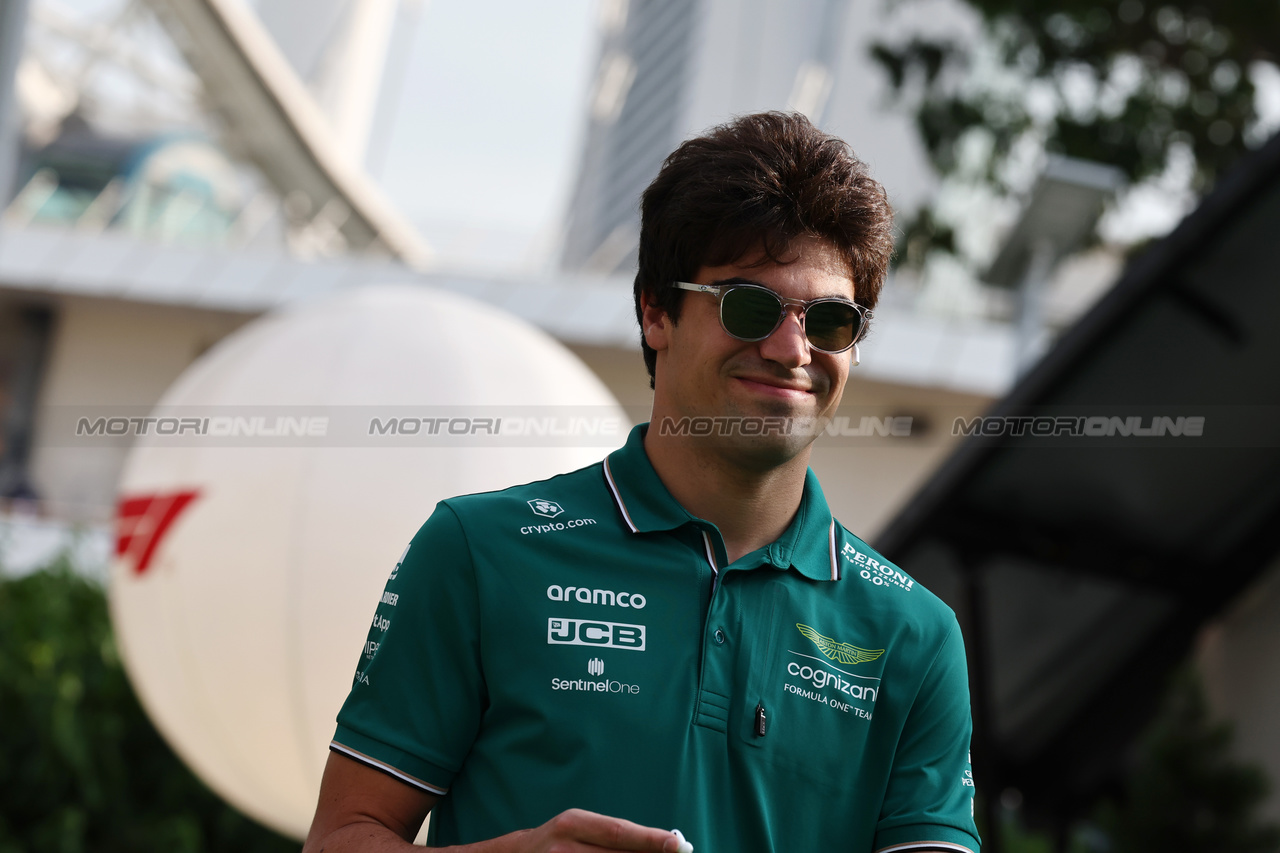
(928, 803)
(365, 810)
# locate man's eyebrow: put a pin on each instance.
(737, 279)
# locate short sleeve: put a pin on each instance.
(418, 693)
(929, 800)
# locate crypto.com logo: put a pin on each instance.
(550, 509)
(143, 520)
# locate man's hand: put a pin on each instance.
(578, 831)
(362, 809)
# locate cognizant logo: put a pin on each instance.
(821, 679)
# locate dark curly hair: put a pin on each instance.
(759, 182)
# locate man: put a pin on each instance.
(695, 642)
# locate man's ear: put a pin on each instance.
(654, 322)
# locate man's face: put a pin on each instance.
(703, 372)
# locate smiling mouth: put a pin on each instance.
(775, 387)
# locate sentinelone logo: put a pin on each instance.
(1079, 426)
(595, 668)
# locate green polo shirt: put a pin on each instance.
(583, 642)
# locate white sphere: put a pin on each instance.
(242, 631)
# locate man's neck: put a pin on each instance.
(750, 507)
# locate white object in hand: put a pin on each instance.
(685, 846)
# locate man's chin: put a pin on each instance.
(766, 452)
(754, 442)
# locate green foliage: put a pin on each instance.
(81, 768)
(1130, 83)
(1018, 839)
(1187, 794)
(1014, 836)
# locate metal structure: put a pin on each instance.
(276, 124)
(1059, 217)
(13, 17)
(671, 68)
(232, 83)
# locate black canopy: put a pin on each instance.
(1083, 563)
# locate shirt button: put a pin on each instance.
(719, 637)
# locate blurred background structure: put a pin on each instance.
(172, 169)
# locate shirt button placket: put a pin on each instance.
(716, 686)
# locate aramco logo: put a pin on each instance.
(595, 666)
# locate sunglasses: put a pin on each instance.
(751, 312)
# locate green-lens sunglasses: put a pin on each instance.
(752, 312)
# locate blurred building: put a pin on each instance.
(1099, 545)
(174, 188)
(125, 255)
(668, 69)
(138, 253)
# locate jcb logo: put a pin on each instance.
(579, 632)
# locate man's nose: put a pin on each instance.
(788, 344)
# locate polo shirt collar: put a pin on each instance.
(643, 500)
(808, 544)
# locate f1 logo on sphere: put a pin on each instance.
(583, 632)
(549, 509)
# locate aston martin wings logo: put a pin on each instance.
(842, 652)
